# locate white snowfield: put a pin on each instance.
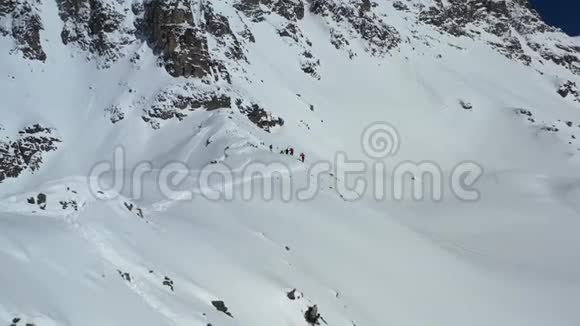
(107, 259)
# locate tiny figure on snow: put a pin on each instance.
(312, 316)
(286, 151)
(302, 157)
(291, 151)
(271, 148)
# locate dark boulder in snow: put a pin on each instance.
(466, 105)
(312, 316)
(570, 88)
(125, 276)
(221, 307)
(293, 295)
(168, 282)
(66, 204)
(115, 113)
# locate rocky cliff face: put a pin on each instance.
(510, 27)
(356, 19)
(175, 102)
(25, 151)
(180, 31)
(292, 10)
(101, 29)
(182, 46)
(20, 20)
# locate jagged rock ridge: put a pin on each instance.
(513, 27)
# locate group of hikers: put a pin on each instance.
(289, 151)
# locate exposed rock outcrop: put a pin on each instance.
(569, 88)
(470, 18)
(20, 20)
(292, 10)
(309, 64)
(180, 34)
(25, 153)
(293, 35)
(177, 101)
(512, 27)
(360, 19)
(219, 26)
(567, 56)
(312, 316)
(221, 307)
(96, 26)
(259, 116)
(115, 113)
(170, 31)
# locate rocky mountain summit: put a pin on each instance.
(195, 39)
(510, 27)
(180, 31)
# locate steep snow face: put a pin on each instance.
(132, 89)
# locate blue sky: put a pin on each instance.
(561, 13)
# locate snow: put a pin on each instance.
(510, 258)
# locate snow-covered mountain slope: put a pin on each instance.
(152, 91)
